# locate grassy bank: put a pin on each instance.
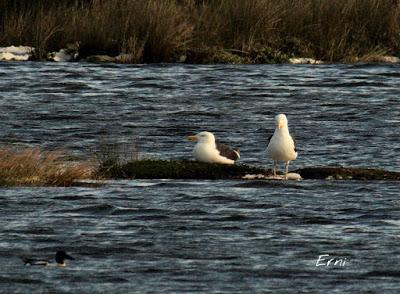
(205, 31)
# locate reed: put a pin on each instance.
(199, 30)
(33, 167)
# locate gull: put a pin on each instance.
(208, 150)
(281, 145)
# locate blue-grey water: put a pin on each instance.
(171, 236)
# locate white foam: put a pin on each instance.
(289, 176)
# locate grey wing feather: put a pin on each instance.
(227, 152)
(294, 142)
(269, 140)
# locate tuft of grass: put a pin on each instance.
(112, 154)
(33, 167)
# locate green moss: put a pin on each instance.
(185, 169)
(165, 169)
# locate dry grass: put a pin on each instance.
(32, 167)
(236, 24)
(166, 30)
(338, 29)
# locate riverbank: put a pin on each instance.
(222, 31)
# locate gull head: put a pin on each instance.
(203, 137)
(281, 121)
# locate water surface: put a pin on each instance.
(204, 236)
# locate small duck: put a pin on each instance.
(60, 257)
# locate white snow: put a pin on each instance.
(61, 56)
(19, 53)
(303, 60)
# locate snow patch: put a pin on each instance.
(19, 53)
(62, 56)
(303, 60)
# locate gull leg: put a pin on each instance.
(274, 168)
(287, 169)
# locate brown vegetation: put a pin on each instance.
(32, 167)
(205, 30)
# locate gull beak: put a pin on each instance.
(280, 125)
(192, 138)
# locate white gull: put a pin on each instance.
(208, 150)
(281, 145)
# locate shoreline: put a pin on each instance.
(27, 53)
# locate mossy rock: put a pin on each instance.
(347, 173)
(182, 169)
(185, 169)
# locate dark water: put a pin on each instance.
(204, 236)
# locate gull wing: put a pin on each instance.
(227, 151)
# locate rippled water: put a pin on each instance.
(204, 236)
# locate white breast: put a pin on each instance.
(208, 153)
(281, 147)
